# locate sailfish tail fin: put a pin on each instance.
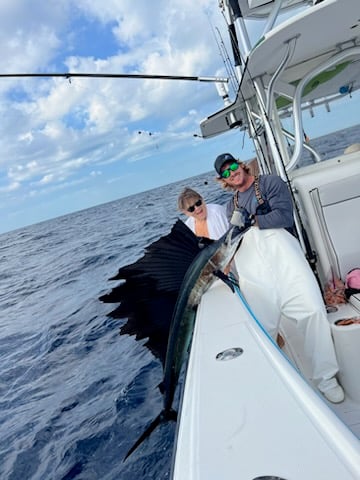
(163, 416)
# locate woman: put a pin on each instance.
(208, 221)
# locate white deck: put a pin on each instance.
(254, 415)
(349, 410)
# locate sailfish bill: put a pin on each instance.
(160, 295)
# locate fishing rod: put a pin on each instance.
(227, 62)
(70, 75)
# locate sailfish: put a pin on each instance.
(159, 295)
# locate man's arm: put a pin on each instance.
(275, 191)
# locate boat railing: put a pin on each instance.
(297, 117)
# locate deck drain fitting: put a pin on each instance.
(230, 353)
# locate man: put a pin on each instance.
(273, 272)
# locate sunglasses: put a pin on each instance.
(232, 168)
(191, 209)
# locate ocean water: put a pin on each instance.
(74, 395)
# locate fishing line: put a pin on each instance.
(252, 314)
(262, 328)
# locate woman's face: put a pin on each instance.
(196, 208)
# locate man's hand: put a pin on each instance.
(241, 218)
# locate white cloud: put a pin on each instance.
(10, 188)
(46, 179)
(190, 120)
(30, 33)
(54, 132)
(26, 137)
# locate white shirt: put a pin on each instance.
(217, 221)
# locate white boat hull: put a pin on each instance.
(253, 416)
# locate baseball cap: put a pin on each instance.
(221, 159)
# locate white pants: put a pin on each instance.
(276, 281)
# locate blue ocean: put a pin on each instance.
(74, 395)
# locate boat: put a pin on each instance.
(249, 409)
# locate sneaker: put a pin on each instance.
(335, 394)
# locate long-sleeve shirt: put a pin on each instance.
(275, 193)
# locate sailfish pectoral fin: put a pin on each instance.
(229, 280)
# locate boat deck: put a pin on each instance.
(243, 407)
(349, 410)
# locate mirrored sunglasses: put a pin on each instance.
(232, 168)
(191, 209)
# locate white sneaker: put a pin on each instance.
(335, 394)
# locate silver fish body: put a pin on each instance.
(200, 275)
(225, 249)
(198, 279)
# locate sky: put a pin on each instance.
(67, 144)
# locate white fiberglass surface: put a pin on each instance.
(253, 415)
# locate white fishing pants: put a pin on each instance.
(276, 281)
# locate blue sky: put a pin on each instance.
(66, 145)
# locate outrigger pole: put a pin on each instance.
(69, 75)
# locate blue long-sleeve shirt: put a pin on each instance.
(277, 197)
